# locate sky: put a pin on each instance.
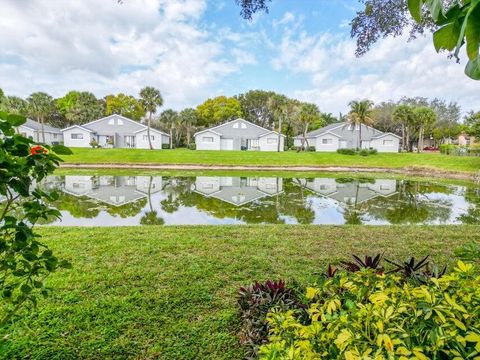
(197, 49)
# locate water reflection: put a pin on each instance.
(157, 200)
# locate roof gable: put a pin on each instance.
(228, 127)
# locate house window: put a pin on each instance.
(54, 136)
(243, 126)
(327, 141)
(271, 141)
(111, 122)
(145, 137)
(384, 187)
(78, 186)
(388, 142)
(207, 139)
(235, 126)
(76, 136)
(119, 121)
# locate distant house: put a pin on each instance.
(343, 135)
(465, 140)
(114, 131)
(238, 134)
(33, 130)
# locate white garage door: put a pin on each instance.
(226, 144)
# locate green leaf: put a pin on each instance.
(16, 120)
(436, 8)
(26, 289)
(415, 8)
(446, 37)
(472, 69)
(61, 150)
(472, 33)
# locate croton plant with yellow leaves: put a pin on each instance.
(372, 315)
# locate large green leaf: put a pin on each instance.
(447, 37)
(16, 120)
(61, 150)
(415, 8)
(472, 33)
(472, 69)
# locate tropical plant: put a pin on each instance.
(169, 119)
(403, 115)
(217, 110)
(424, 117)
(25, 262)
(360, 114)
(125, 105)
(365, 315)
(40, 106)
(369, 262)
(306, 115)
(469, 252)
(188, 120)
(151, 100)
(79, 107)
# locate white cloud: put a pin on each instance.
(106, 47)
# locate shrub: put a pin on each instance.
(255, 301)
(449, 149)
(192, 146)
(346, 151)
(469, 252)
(474, 149)
(364, 152)
(311, 148)
(372, 151)
(165, 146)
(94, 143)
(24, 261)
(365, 315)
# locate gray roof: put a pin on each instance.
(325, 129)
(342, 130)
(35, 125)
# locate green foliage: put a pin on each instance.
(217, 110)
(363, 315)
(469, 252)
(24, 261)
(361, 152)
(125, 105)
(346, 151)
(79, 107)
(459, 25)
(255, 302)
(449, 149)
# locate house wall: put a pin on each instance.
(381, 147)
(157, 141)
(319, 146)
(69, 142)
(200, 145)
(264, 145)
(50, 138)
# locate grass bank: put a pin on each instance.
(169, 292)
(430, 161)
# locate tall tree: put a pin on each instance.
(169, 119)
(403, 115)
(424, 117)
(40, 105)
(472, 123)
(125, 105)
(258, 106)
(360, 114)
(217, 110)
(308, 114)
(277, 105)
(79, 107)
(188, 120)
(151, 100)
(16, 105)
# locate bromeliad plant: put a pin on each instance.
(366, 315)
(25, 262)
(369, 262)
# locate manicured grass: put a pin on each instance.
(169, 292)
(289, 158)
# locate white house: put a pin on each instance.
(33, 130)
(238, 134)
(343, 135)
(114, 131)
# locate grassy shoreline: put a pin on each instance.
(287, 159)
(169, 292)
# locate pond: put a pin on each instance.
(91, 200)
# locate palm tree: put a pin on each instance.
(278, 104)
(360, 114)
(424, 117)
(307, 115)
(151, 99)
(169, 119)
(150, 217)
(403, 114)
(40, 106)
(189, 120)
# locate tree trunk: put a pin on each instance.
(171, 137)
(420, 139)
(149, 122)
(360, 136)
(43, 130)
(407, 139)
(188, 137)
(403, 136)
(279, 134)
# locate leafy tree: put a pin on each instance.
(278, 105)
(289, 112)
(79, 107)
(169, 120)
(151, 99)
(125, 105)
(308, 114)
(360, 114)
(327, 119)
(188, 119)
(24, 261)
(258, 106)
(424, 117)
(217, 110)
(472, 122)
(15, 105)
(403, 115)
(40, 106)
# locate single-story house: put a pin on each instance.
(238, 134)
(33, 129)
(344, 135)
(114, 131)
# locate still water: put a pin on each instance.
(87, 200)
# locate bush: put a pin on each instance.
(311, 149)
(366, 315)
(346, 151)
(449, 149)
(255, 301)
(364, 152)
(165, 146)
(474, 149)
(192, 146)
(373, 151)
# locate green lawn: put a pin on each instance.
(169, 292)
(289, 158)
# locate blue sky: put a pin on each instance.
(195, 49)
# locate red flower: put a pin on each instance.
(38, 150)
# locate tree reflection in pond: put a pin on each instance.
(135, 200)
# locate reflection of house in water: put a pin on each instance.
(350, 192)
(113, 190)
(238, 190)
